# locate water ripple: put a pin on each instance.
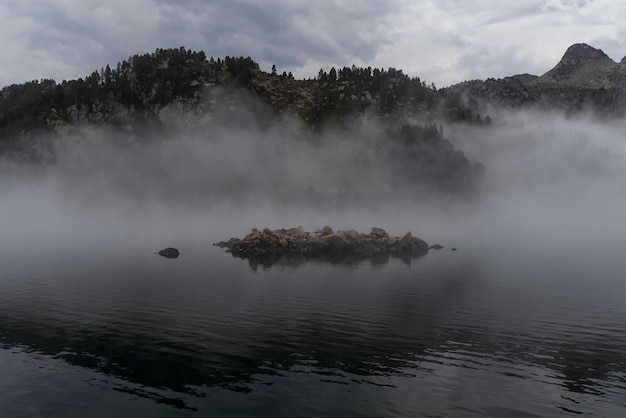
(439, 336)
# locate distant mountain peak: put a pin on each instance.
(580, 54)
(584, 80)
(583, 66)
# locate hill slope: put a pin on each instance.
(178, 95)
(143, 85)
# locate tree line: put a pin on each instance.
(142, 84)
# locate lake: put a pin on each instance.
(491, 330)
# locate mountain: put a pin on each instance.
(585, 79)
(583, 66)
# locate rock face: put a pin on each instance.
(323, 241)
(585, 67)
(169, 252)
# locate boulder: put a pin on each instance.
(336, 242)
(419, 247)
(379, 233)
(326, 230)
(405, 241)
(410, 244)
(169, 252)
(296, 233)
(352, 237)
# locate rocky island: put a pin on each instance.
(324, 241)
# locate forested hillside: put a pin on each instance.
(143, 84)
(173, 91)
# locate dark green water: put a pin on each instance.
(488, 333)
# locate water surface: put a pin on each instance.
(113, 330)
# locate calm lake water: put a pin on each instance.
(485, 332)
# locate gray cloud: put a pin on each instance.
(64, 39)
(288, 34)
(445, 41)
(498, 61)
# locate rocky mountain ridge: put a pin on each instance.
(585, 79)
(583, 66)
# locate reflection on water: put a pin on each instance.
(446, 334)
(283, 260)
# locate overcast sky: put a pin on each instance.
(440, 41)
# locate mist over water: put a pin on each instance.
(533, 292)
(549, 181)
(552, 180)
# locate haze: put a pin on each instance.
(550, 183)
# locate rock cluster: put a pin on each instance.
(323, 241)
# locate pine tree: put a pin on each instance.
(332, 76)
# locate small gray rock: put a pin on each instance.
(169, 252)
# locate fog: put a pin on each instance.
(553, 180)
(550, 182)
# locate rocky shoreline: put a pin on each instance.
(324, 241)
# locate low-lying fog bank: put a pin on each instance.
(548, 182)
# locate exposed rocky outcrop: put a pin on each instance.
(585, 67)
(324, 241)
(169, 253)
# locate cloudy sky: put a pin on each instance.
(440, 41)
